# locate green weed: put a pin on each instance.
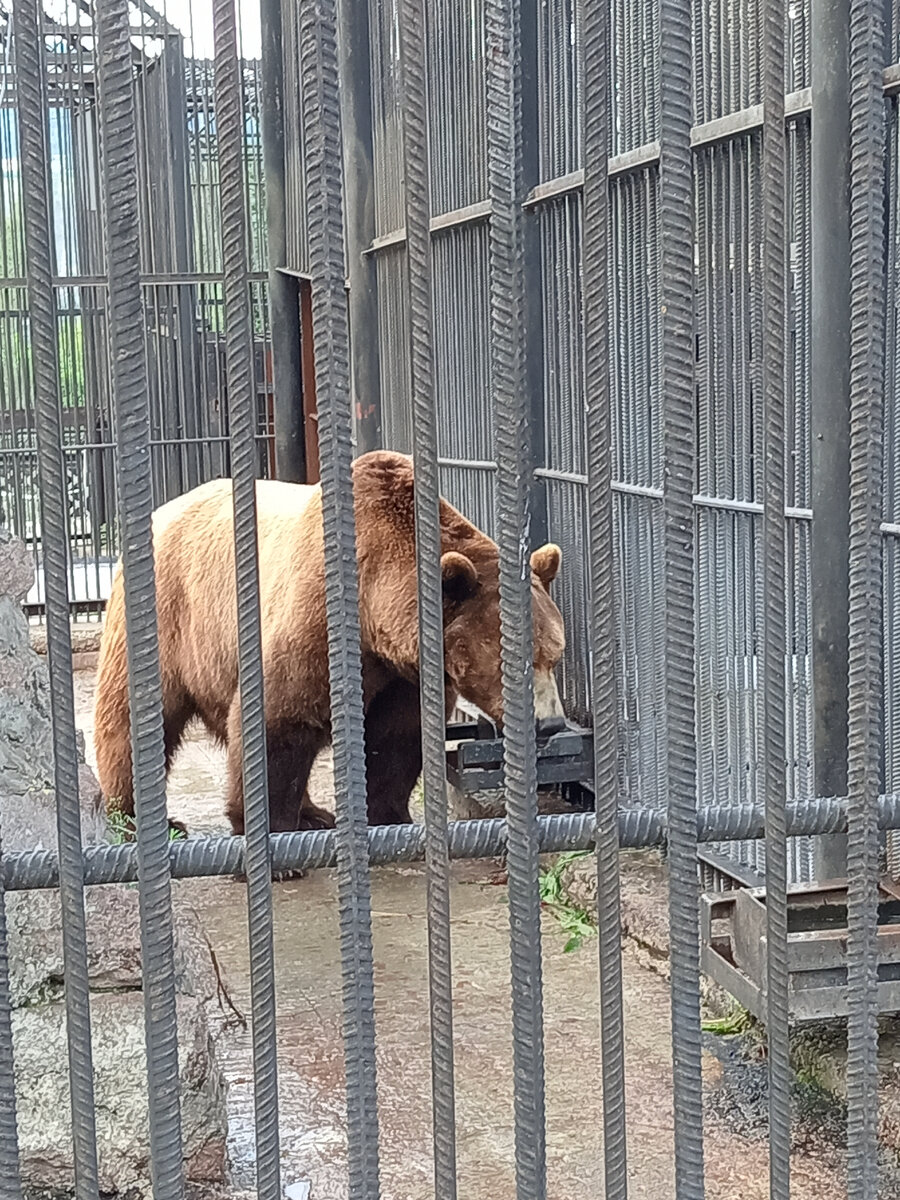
(733, 1023)
(122, 828)
(573, 920)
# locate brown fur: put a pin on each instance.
(194, 555)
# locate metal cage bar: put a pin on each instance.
(867, 313)
(512, 433)
(416, 146)
(677, 278)
(598, 404)
(32, 96)
(252, 730)
(773, 602)
(128, 375)
(322, 124)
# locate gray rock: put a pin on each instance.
(28, 814)
(120, 1082)
(16, 567)
(34, 921)
(27, 796)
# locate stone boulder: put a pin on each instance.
(37, 975)
(120, 1088)
(27, 790)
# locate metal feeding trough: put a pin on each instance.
(475, 762)
(734, 948)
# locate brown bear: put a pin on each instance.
(194, 555)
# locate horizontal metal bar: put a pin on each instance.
(313, 849)
(292, 274)
(637, 159)
(468, 464)
(454, 219)
(891, 79)
(796, 104)
(737, 872)
(387, 241)
(634, 160)
(891, 528)
(560, 476)
(149, 279)
(461, 216)
(732, 125)
(637, 489)
(562, 185)
(751, 507)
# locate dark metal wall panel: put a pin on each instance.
(456, 94)
(393, 324)
(387, 136)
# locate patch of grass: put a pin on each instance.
(122, 828)
(573, 920)
(732, 1024)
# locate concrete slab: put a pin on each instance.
(313, 1125)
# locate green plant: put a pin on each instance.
(122, 828)
(574, 921)
(735, 1022)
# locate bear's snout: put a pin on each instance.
(547, 704)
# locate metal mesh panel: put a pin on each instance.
(180, 246)
(393, 323)
(386, 118)
(294, 153)
(463, 371)
(559, 87)
(635, 74)
(727, 58)
(564, 420)
(456, 93)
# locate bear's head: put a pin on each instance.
(472, 659)
(385, 532)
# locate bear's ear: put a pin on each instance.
(545, 563)
(458, 575)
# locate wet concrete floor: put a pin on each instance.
(311, 1080)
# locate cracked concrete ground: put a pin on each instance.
(313, 1126)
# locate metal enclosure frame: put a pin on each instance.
(647, 168)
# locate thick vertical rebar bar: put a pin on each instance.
(867, 183)
(829, 410)
(417, 163)
(242, 427)
(774, 614)
(322, 128)
(598, 405)
(128, 375)
(33, 116)
(676, 296)
(511, 411)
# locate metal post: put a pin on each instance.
(284, 291)
(830, 411)
(359, 222)
(531, 241)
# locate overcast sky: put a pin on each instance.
(192, 17)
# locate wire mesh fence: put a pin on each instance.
(181, 263)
